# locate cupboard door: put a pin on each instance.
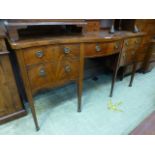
(9, 99)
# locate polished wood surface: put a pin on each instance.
(102, 36)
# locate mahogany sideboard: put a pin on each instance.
(48, 62)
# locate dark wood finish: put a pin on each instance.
(146, 127)
(11, 106)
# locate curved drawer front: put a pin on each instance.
(49, 53)
(40, 75)
(99, 49)
(48, 75)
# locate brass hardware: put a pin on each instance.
(67, 68)
(116, 45)
(42, 72)
(39, 54)
(98, 48)
(136, 41)
(126, 43)
(66, 50)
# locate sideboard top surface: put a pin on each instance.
(102, 36)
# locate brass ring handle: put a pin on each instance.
(42, 72)
(116, 45)
(67, 68)
(66, 50)
(126, 43)
(98, 48)
(136, 41)
(39, 54)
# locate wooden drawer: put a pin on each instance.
(101, 49)
(40, 75)
(129, 57)
(140, 56)
(131, 43)
(49, 53)
(48, 75)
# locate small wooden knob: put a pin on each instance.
(126, 43)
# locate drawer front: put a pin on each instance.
(140, 56)
(55, 53)
(48, 75)
(132, 43)
(129, 57)
(40, 76)
(66, 70)
(101, 49)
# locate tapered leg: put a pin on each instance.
(113, 81)
(132, 74)
(79, 93)
(117, 64)
(31, 103)
(80, 79)
(27, 85)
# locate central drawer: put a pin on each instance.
(101, 49)
(46, 75)
(35, 55)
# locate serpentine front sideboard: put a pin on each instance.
(53, 61)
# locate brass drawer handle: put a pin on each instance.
(66, 50)
(126, 43)
(42, 72)
(116, 45)
(67, 68)
(98, 48)
(39, 54)
(136, 41)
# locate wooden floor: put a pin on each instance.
(147, 127)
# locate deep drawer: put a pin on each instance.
(46, 75)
